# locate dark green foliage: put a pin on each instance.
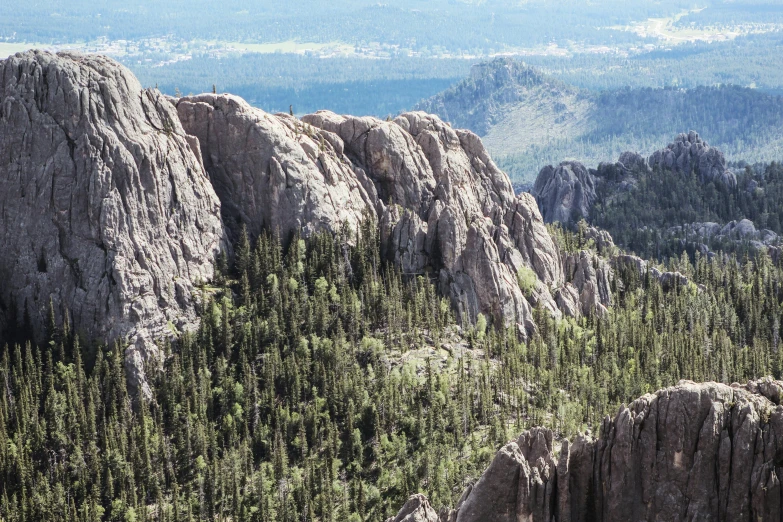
(743, 123)
(310, 391)
(638, 219)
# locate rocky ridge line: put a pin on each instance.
(566, 193)
(442, 206)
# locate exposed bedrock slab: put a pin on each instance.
(105, 207)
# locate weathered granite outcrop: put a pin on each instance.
(632, 161)
(272, 171)
(690, 153)
(741, 232)
(590, 276)
(106, 209)
(445, 208)
(602, 240)
(442, 205)
(689, 452)
(565, 193)
(416, 509)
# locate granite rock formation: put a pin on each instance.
(590, 276)
(441, 204)
(272, 171)
(632, 161)
(106, 209)
(565, 193)
(112, 199)
(739, 233)
(445, 208)
(416, 509)
(689, 452)
(641, 268)
(690, 153)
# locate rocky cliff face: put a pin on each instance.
(442, 205)
(445, 208)
(106, 209)
(689, 452)
(565, 193)
(272, 172)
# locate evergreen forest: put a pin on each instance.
(641, 216)
(322, 385)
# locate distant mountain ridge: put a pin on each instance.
(480, 101)
(528, 119)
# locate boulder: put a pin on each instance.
(107, 211)
(742, 229)
(602, 239)
(633, 161)
(416, 509)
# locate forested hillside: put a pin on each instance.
(645, 218)
(322, 385)
(529, 119)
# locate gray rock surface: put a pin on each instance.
(633, 161)
(445, 208)
(689, 452)
(106, 209)
(442, 205)
(416, 509)
(567, 192)
(564, 193)
(742, 232)
(690, 153)
(274, 172)
(602, 240)
(590, 275)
